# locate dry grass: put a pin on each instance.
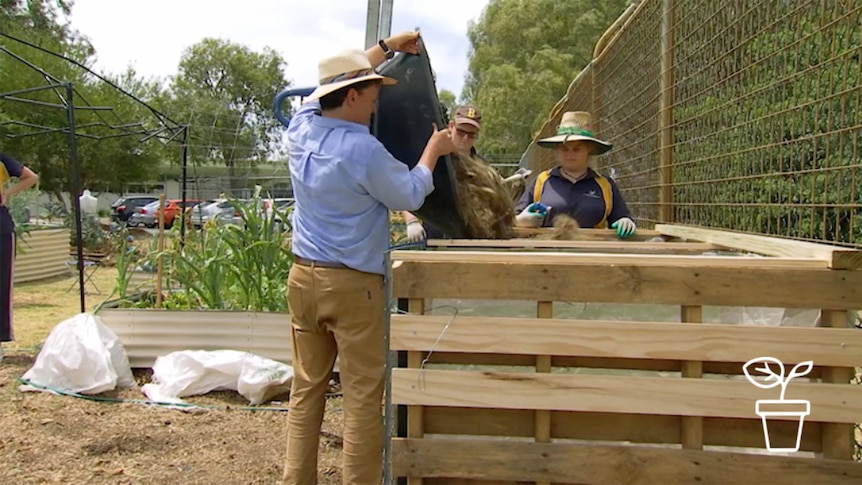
(38, 306)
(515, 188)
(565, 228)
(485, 201)
(58, 439)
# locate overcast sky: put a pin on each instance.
(150, 35)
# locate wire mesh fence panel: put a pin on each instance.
(761, 112)
(579, 97)
(626, 103)
(767, 118)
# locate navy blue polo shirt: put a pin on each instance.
(582, 200)
(9, 167)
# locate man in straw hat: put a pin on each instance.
(464, 130)
(572, 187)
(345, 183)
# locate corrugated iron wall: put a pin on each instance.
(43, 254)
(149, 333)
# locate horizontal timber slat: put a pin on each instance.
(626, 339)
(587, 464)
(584, 246)
(836, 257)
(637, 428)
(462, 481)
(587, 234)
(626, 283)
(830, 403)
(648, 365)
(577, 259)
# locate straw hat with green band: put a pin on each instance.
(574, 126)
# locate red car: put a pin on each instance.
(149, 214)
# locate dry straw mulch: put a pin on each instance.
(486, 204)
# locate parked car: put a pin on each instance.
(281, 206)
(144, 216)
(201, 211)
(123, 208)
(148, 215)
(218, 212)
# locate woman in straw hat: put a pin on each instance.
(572, 187)
(345, 183)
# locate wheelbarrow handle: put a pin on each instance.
(287, 93)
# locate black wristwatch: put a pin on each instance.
(387, 52)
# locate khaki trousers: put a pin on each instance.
(336, 312)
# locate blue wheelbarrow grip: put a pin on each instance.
(287, 93)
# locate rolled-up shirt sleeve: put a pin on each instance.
(394, 184)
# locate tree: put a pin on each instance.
(447, 100)
(224, 91)
(524, 54)
(106, 164)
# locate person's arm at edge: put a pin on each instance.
(401, 42)
(26, 178)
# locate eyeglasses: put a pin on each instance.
(468, 134)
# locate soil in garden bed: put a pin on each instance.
(58, 439)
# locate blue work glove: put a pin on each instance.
(533, 215)
(625, 227)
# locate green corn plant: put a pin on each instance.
(225, 266)
(261, 263)
(124, 275)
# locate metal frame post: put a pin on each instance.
(75, 191)
(385, 28)
(185, 184)
(372, 23)
(389, 418)
(666, 100)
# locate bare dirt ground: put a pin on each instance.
(48, 438)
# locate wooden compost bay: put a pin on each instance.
(553, 400)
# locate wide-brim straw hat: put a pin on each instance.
(575, 126)
(343, 69)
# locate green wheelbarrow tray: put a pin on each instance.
(403, 121)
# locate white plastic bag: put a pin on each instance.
(194, 372)
(89, 204)
(81, 355)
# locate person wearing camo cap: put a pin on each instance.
(464, 130)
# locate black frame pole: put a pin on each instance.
(76, 189)
(185, 183)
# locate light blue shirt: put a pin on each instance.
(345, 183)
